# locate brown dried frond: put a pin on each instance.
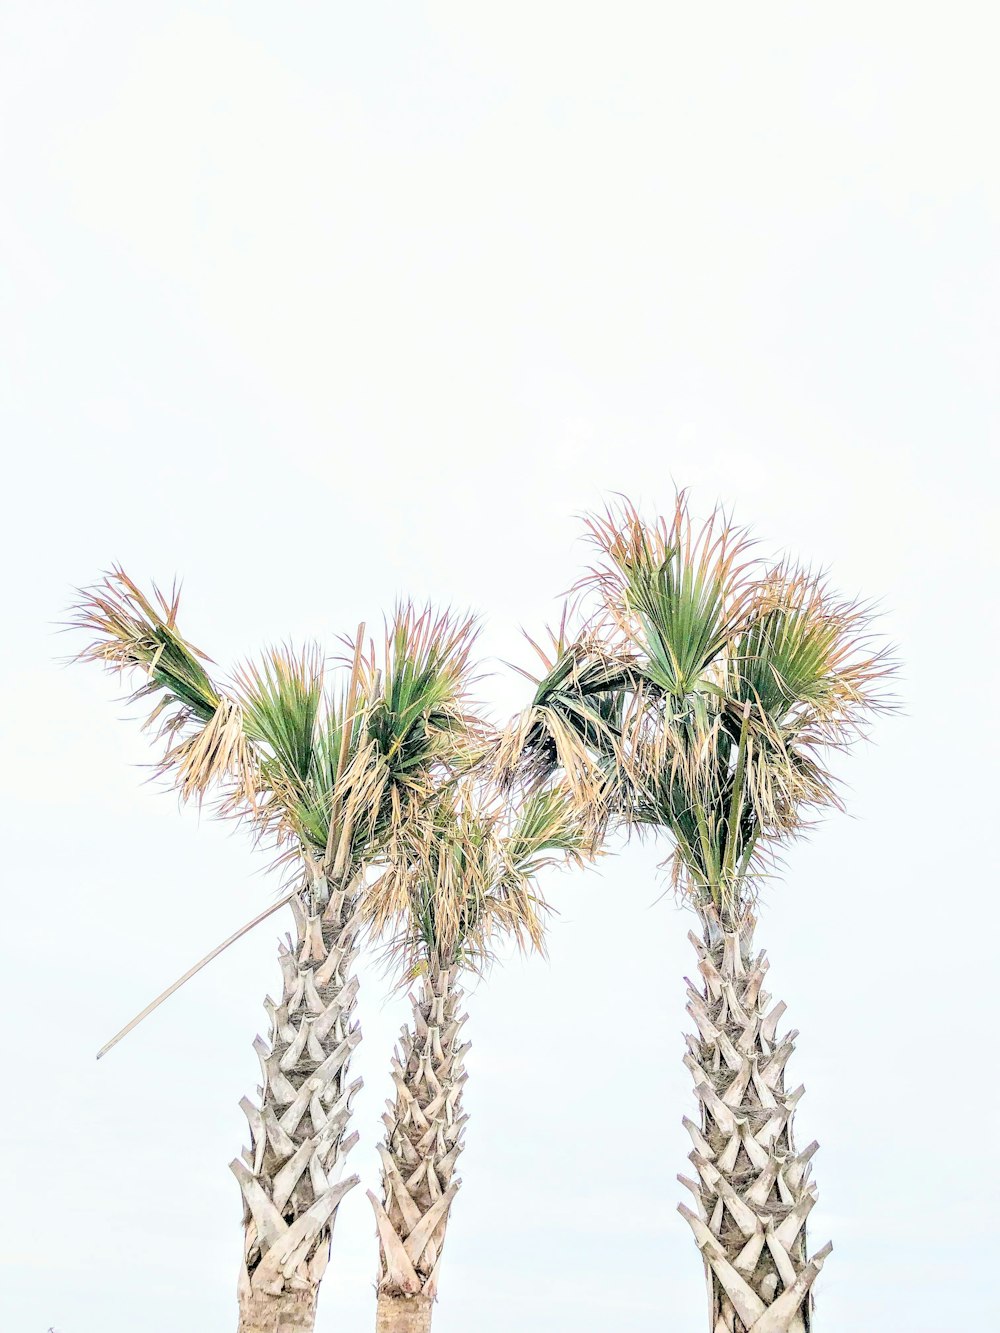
(571, 726)
(462, 875)
(219, 753)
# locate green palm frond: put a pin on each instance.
(133, 631)
(806, 659)
(572, 725)
(546, 824)
(332, 813)
(403, 718)
(420, 710)
(206, 741)
(673, 595)
(281, 697)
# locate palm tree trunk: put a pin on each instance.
(753, 1191)
(403, 1314)
(424, 1130)
(288, 1312)
(290, 1177)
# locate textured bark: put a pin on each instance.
(287, 1313)
(290, 1176)
(752, 1192)
(403, 1314)
(424, 1129)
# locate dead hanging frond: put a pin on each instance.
(217, 755)
(463, 875)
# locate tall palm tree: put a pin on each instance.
(327, 770)
(728, 683)
(463, 881)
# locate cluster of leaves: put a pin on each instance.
(362, 773)
(464, 874)
(573, 725)
(321, 762)
(700, 692)
(700, 696)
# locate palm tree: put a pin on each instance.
(327, 771)
(462, 881)
(727, 683)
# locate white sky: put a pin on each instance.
(313, 304)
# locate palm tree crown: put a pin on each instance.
(321, 767)
(701, 696)
(464, 877)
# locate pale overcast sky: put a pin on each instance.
(312, 304)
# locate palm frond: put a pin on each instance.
(281, 697)
(806, 658)
(217, 754)
(206, 742)
(133, 631)
(463, 875)
(547, 823)
(674, 595)
(420, 711)
(572, 724)
(402, 718)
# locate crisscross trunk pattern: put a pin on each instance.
(753, 1191)
(424, 1129)
(291, 1175)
